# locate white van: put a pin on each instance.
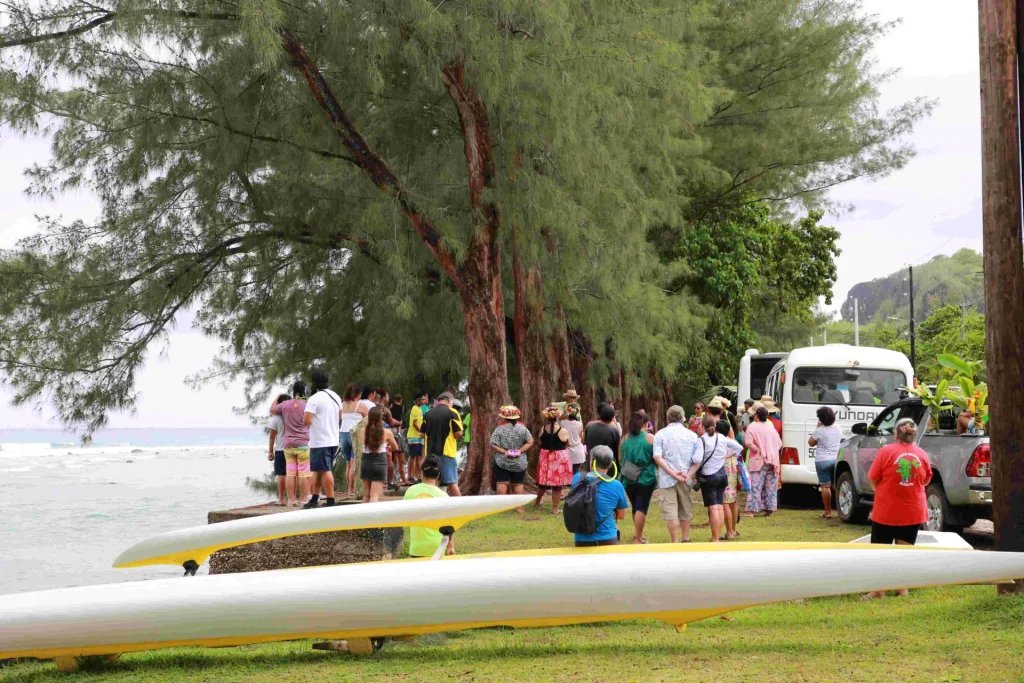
(857, 382)
(754, 370)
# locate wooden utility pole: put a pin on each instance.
(999, 23)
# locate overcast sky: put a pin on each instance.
(933, 206)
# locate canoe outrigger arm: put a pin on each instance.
(446, 535)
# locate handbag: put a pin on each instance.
(744, 479)
(700, 479)
(631, 471)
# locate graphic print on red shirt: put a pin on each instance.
(901, 471)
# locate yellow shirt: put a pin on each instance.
(415, 421)
(423, 542)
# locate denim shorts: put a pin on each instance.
(346, 450)
(322, 459)
(449, 471)
(826, 471)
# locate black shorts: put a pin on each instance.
(577, 467)
(505, 476)
(887, 535)
(415, 450)
(713, 490)
(639, 496)
(280, 466)
(374, 467)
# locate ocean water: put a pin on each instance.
(67, 510)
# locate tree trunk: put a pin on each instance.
(1003, 265)
(531, 342)
(488, 384)
(581, 360)
(481, 294)
(559, 357)
(623, 405)
(478, 280)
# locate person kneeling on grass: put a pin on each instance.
(900, 473)
(611, 500)
(423, 542)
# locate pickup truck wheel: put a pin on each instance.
(848, 502)
(938, 510)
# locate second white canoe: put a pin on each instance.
(199, 542)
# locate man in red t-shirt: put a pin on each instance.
(900, 473)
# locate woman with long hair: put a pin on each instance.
(352, 413)
(554, 466)
(375, 455)
(640, 476)
(732, 486)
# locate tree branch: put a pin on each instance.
(368, 160)
(106, 19)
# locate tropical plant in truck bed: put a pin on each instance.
(963, 373)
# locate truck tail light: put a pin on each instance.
(790, 456)
(980, 464)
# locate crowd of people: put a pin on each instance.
(716, 452)
(310, 429)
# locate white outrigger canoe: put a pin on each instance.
(196, 544)
(676, 584)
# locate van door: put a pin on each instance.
(880, 433)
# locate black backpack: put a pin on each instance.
(579, 509)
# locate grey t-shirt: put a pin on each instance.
(510, 436)
(828, 440)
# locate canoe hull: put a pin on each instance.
(199, 542)
(540, 589)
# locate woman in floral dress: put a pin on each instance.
(554, 466)
(732, 474)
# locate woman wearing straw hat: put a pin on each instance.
(554, 466)
(510, 441)
(773, 412)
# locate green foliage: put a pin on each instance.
(748, 268)
(225, 191)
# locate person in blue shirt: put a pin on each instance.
(611, 500)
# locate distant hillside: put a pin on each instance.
(943, 280)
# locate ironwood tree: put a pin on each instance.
(383, 188)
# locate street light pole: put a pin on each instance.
(856, 323)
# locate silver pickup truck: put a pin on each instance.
(960, 492)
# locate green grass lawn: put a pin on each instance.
(948, 634)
